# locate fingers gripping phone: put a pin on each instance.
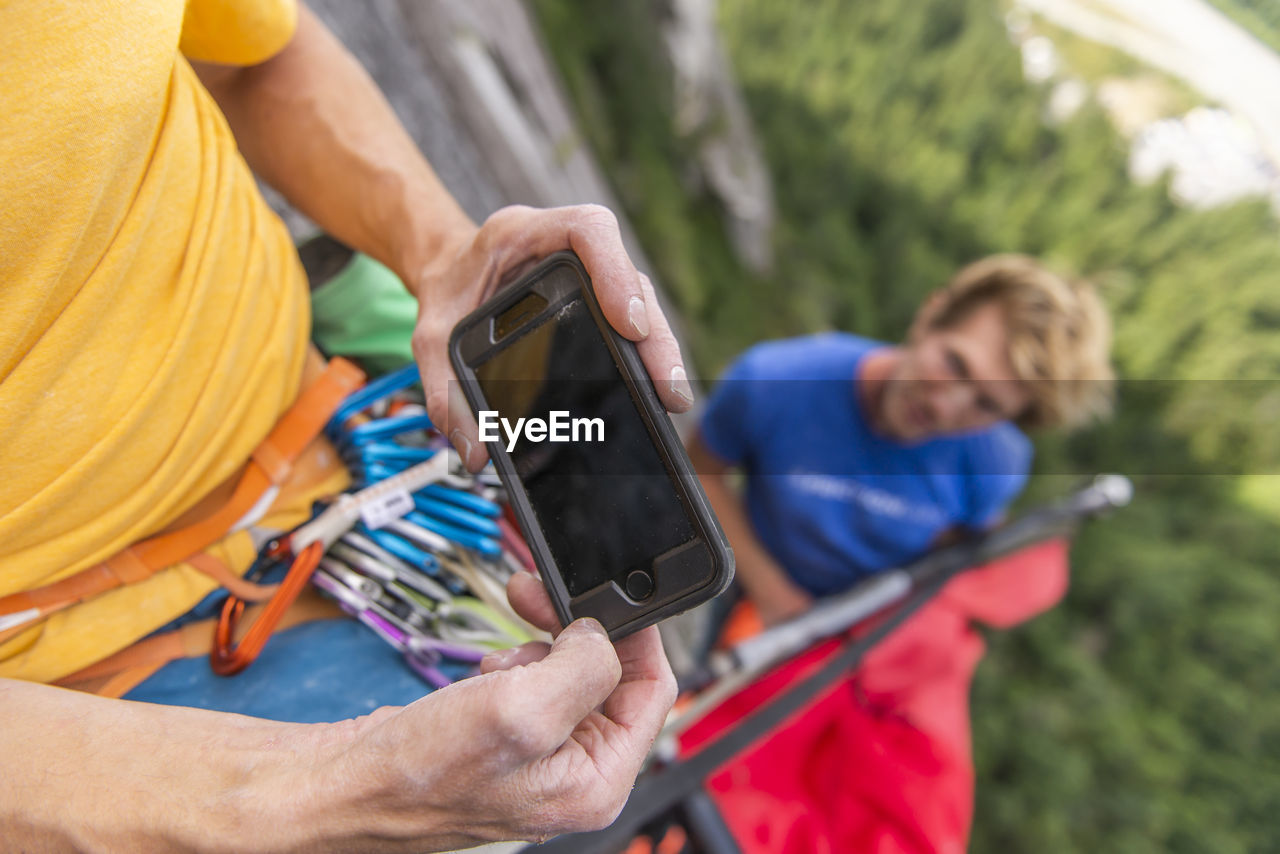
(599, 482)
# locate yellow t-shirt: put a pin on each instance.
(153, 312)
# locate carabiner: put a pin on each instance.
(228, 657)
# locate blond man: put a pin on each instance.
(860, 456)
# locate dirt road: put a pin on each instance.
(1191, 40)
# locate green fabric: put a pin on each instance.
(365, 314)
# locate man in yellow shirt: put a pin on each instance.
(154, 328)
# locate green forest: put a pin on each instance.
(903, 142)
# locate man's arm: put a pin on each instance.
(548, 740)
(84, 773)
(312, 123)
(776, 596)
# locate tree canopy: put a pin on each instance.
(904, 142)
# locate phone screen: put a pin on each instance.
(604, 500)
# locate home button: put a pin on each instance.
(639, 585)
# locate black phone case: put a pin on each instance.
(618, 614)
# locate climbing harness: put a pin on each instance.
(418, 550)
(415, 551)
(268, 468)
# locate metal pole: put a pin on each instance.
(683, 778)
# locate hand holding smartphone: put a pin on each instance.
(598, 479)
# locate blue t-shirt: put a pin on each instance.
(831, 500)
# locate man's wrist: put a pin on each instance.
(335, 790)
(292, 794)
(422, 254)
(770, 587)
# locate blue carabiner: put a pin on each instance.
(386, 427)
(477, 542)
(407, 552)
(446, 512)
(374, 472)
(370, 394)
(390, 452)
(477, 504)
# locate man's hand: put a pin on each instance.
(784, 601)
(766, 583)
(547, 741)
(313, 125)
(477, 264)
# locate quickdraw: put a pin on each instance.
(419, 551)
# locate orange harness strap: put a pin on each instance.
(269, 465)
(237, 586)
(119, 674)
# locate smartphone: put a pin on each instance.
(598, 479)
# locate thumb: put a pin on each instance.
(576, 676)
(463, 433)
(446, 404)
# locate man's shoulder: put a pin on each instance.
(999, 449)
(826, 355)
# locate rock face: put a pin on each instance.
(470, 82)
(711, 110)
(378, 34)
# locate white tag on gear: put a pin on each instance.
(381, 510)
